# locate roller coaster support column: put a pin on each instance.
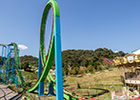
(8, 64)
(58, 60)
(1, 64)
(16, 81)
(3, 78)
(41, 84)
(19, 85)
(51, 90)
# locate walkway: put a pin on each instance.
(6, 94)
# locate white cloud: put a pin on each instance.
(23, 47)
(116, 51)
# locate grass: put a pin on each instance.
(32, 77)
(99, 84)
(100, 92)
(29, 75)
(109, 77)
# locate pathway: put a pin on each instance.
(6, 94)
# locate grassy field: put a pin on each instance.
(106, 77)
(97, 85)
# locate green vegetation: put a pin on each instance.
(98, 85)
(24, 65)
(90, 68)
(88, 57)
(95, 85)
(29, 60)
(29, 75)
(75, 58)
(93, 81)
(90, 60)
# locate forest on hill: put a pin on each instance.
(88, 57)
(27, 60)
(30, 59)
(76, 58)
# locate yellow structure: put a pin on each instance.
(132, 62)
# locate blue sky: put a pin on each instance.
(85, 24)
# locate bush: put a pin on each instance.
(99, 67)
(90, 68)
(75, 70)
(81, 71)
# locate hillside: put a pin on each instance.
(30, 59)
(88, 57)
(78, 57)
(93, 85)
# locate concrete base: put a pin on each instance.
(50, 94)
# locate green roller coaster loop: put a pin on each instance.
(47, 62)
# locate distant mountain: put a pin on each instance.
(30, 59)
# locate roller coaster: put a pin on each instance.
(10, 66)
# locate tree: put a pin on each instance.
(99, 67)
(85, 70)
(90, 68)
(91, 62)
(75, 71)
(121, 53)
(95, 65)
(81, 71)
(76, 58)
(24, 65)
(65, 69)
(75, 65)
(30, 59)
(107, 65)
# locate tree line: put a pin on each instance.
(88, 57)
(75, 58)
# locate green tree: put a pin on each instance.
(30, 59)
(75, 71)
(81, 71)
(99, 67)
(76, 58)
(65, 69)
(91, 62)
(75, 65)
(121, 53)
(85, 70)
(24, 65)
(90, 68)
(107, 65)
